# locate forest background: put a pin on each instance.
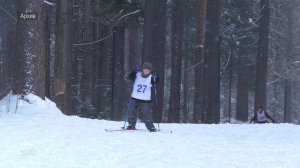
(217, 59)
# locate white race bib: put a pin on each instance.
(261, 116)
(142, 87)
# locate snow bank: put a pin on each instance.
(30, 105)
(37, 135)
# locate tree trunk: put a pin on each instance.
(243, 60)
(65, 52)
(87, 108)
(290, 81)
(148, 30)
(30, 74)
(118, 73)
(96, 69)
(2, 53)
(48, 31)
(105, 77)
(154, 46)
(289, 101)
(262, 55)
(211, 83)
(7, 47)
(63, 44)
(134, 47)
(242, 88)
(200, 38)
(176, 52)
(64, 18)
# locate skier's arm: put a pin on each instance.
(132, 75)
(269, 117)
(254, 117)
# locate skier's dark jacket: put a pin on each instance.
(261, 122)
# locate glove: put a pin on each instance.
(137, 68)
(155, 75)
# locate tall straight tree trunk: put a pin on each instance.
(242, 88)
(67, 55)
(47, 39)
(200, 38)
(2, 53)
(185, 64)
(30, 74)
(148, 30)
(62, 43)
(262, 55)
(87, 109)
(290, 81)
(118, 73)
(243, 82)
(7, 49)
(158, 57)
(211, 83)
(96, 70)
(289, 101)
(154, 46)
(176, 52)
(105, 71)
(81, 63)
(135, 57)
(62, 76)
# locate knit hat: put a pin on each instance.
(147, 65)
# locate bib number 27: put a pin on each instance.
(141, 88)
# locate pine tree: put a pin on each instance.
(31, 49)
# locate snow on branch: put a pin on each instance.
(134, 12)
(99, 40)
(194, 66)
(296, 62)
(93, 42)
(49, 3)
(228, 60)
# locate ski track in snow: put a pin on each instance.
(39, 136)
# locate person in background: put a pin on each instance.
(141, 96)
(261, 116)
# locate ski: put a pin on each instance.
(121, 130)
(133, 130)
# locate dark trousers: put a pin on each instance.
(143, 107)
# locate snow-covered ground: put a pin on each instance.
(37, 135)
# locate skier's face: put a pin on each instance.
(259, 110)
(146, 72)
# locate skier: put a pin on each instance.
(260, 116)
(141, 96)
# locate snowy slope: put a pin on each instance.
(37, 135)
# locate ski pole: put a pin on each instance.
(127, 112)
(137, 68)
(155, 90)
(155, 93)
